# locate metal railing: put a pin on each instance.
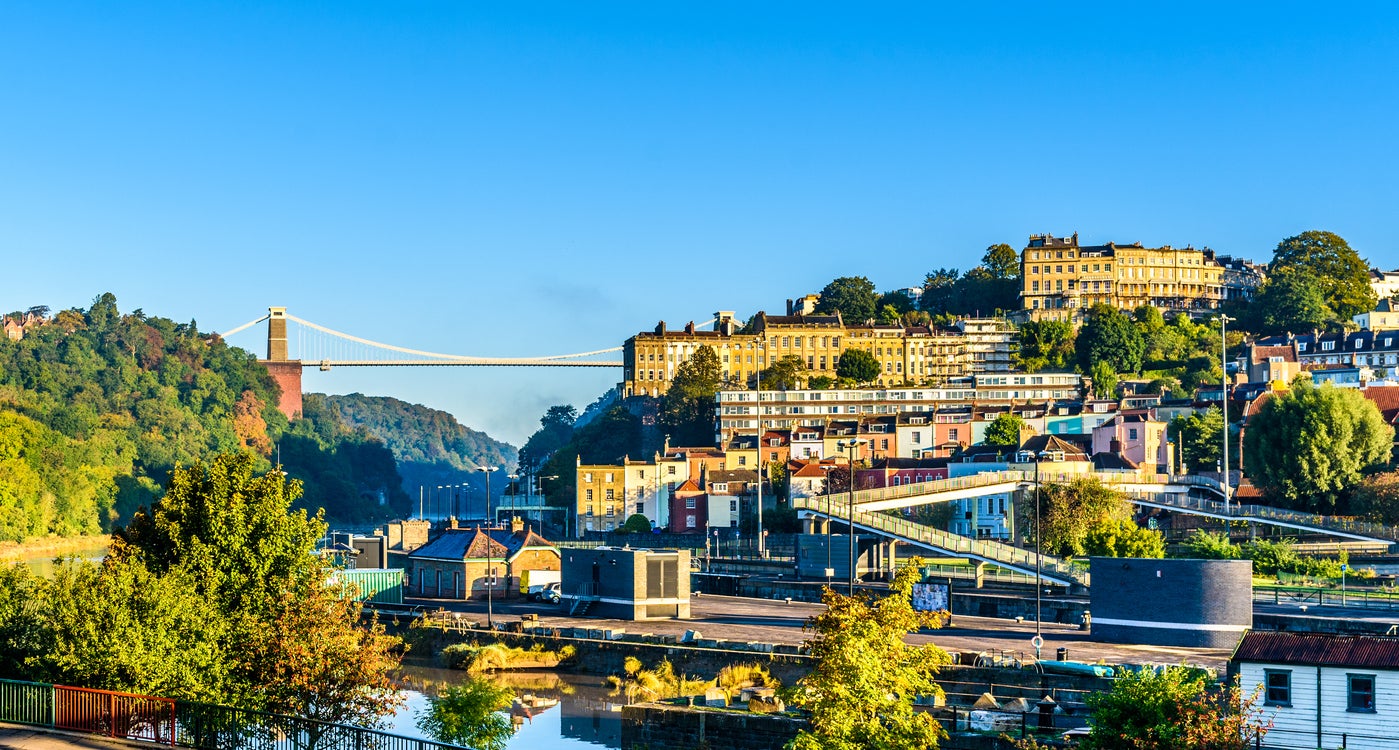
(838, 509)
(1345, 524)
(178, 723)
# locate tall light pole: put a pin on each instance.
(490, 570)
(758, 445)
(829, 571)
(1224, 402)
(1039, 554)
(514, 490)
(850, 446)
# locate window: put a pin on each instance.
(952, 434)
(610, 511)
(690, 504)
(670, 470)
(1361, 692)
(1132, 433)
(733, 506)
(1277, 687)
(1327, 346)
(589, 496)
(641, 508)
(689, 522)
(588, 476)
(719, 487)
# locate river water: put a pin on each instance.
(587, 716)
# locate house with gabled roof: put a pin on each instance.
(464, 563)
(1322, 690)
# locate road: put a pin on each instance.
(762, 620)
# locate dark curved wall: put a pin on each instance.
(1199, 603)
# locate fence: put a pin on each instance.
(1317, 597)
(184, 723)
(1292, 739)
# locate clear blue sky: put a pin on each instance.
(540, 178)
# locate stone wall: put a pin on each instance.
(657, 726)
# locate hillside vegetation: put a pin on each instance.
(97, 407)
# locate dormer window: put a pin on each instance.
(1327, 346)
(1301, 346)
(1358, 342)
(719, 487)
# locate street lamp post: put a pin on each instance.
(1224, 403)
(829, 570)
(490, 569)
(850, 446)
(1039, 556)
(758, 444)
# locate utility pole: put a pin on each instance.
(490, 570)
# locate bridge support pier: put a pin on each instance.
(980, 569)
(285, 372)
(815, 525)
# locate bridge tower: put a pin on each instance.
(286, 372)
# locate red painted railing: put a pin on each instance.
(124, 715)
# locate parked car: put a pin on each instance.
(553, 594)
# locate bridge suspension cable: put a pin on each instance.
(446, 357)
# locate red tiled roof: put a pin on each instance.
(1316, 649)
(1261, 354)
(1386, 399)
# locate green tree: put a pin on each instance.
(294, 644)
(861, 690)
(1201, 439)
(1308, 447)
(1104, 380)
(1212, 545)
(687, 409)
(852, 296)
(895, 299)
(24, 632)
(1174, 708)
(232, 530)
(1069, 511)
(1111, 337)
(1046, 345)
(157, 634)
(1002, 262)
(1004, 430)
(1121, 537)
(1343, 276)
(939, 291)
(1293, 300)
(821, 382)
(469, 714)
(555, 429)
(785, 374)
(1377, 498)
(857, 365)
(636, 523)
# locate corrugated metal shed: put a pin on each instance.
(378, 585)
(1317, 649)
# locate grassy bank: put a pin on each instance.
(50, 546)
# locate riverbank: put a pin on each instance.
(52, 546)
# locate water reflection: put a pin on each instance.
(585, 715)
(42, 565)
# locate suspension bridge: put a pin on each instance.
(318, 346)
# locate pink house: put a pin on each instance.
(1135, 436)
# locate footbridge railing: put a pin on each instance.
(1052, 569)
(176, 723)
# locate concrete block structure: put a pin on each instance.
(627, 584)
(1195, 603)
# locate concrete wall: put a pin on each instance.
(1197, 603)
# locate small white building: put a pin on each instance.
(1322, 690)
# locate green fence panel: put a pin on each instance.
(26, 703)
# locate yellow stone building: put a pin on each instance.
(1062, 279)
(915, 354)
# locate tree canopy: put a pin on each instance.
(1110, 336)
(857, 365)
(852, 296)
(1307, 448)
(861, 690)
(1005, 430)
(1068, 512)
(1341, 275)
(1173, 708)
(687, 409)
(785, 374)
(1046, 345)
(990, 287)
(1291, 300)
(1201, 439)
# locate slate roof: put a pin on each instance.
(1073, 450)
(896, 464)
(1319, 650)
(476, 543)
(1112, 462)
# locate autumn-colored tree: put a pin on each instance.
(861, 690)
(1175, 708)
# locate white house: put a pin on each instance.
(1323, 690)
